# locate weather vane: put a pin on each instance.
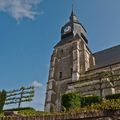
(72, 5)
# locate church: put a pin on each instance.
(74, 68)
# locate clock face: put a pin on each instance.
(67, 29)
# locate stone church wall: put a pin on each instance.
(94, 84)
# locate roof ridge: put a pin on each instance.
(107, 49)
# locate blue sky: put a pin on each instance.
(29, 30)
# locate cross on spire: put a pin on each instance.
(73, 17)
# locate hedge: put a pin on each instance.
(71, 101)
(85, 101)
(19, 109)
(74, 100)
(113, 96)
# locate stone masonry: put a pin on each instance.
(73, 67)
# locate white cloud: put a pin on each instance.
(39, 99)
(37, 84)
(19, 9)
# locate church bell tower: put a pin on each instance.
(71, 58)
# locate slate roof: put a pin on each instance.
(67, 40)
(107, 57)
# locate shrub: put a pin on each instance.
(32, 113)
(71, 101)
(1, 114)
(113, 96)
(85, 101)
(19, 109)
(103, 105)
(113, 104)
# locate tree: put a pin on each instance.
(2, 99)
(24, 94)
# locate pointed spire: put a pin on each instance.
(73, 17)
(73, 12)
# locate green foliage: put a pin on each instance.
(71, 101)
(74, 101)
(2, 99)
(30, 113)
(85, 101)
(19, 109)
(113, 104)
(1, 114)
(104, 105)
(113, 96)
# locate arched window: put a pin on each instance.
(62, 51)
(60, 75)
